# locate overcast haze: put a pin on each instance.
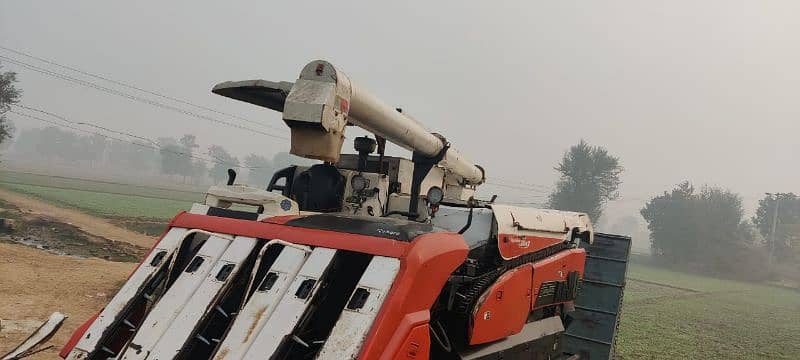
(704, 91)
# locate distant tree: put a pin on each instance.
(137, 156)
(97, 148)
(189, 143)
(260, 170)
(26, 143)
(9, 95)
(590, 177)
(173, 161)
(787, 230)
(176, 156)
(223, 161)
(200, 170)
(706, 228)
(58, 145)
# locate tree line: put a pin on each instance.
(180, 158)
(700, 229)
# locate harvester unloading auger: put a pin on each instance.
(363, 256)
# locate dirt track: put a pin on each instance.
(90, 224)
(35, 283)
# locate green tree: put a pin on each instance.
(706, 229)
(589, 178)
(176, 156)
(172, 159)
(9, 95)
(787, 229)
(223, 161)
(137, 156)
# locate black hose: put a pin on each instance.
(469, 222)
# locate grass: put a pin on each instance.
(105, 204)
(67, 183)
(696, 317)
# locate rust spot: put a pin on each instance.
(258, 315)
(222, 353)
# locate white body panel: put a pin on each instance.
(289, 310)
(168, 245)
(201, 302)
(351, 329)
(174, 300)
(540, 222)
(258, 309)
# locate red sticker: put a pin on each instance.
(344, 105)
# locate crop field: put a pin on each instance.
(672, 315)
(102, 198)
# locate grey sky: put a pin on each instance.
(697, 90)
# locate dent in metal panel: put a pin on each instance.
(174, 300)
(168, 245)
(351, 329)
(201, 303)
(258, 309)
(290, 308)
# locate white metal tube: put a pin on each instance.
(373, 115)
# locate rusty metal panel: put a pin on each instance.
(203, 300)
(109, 316)
(173, 301)
(366, 300)
(258, 309)
(292, 305)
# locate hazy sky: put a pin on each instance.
(680, 90)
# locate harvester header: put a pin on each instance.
(362, 256)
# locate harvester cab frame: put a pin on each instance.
(363, 256)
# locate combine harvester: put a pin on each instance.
(363, 256)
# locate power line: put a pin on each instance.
(526, 184)
(127, 85)
(137, 98)
(521, 188)
(88, 124)
(127, 141)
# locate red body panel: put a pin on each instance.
(423, 272)
(401, 328)
(556, 268)
(512, 245)
(504, 307)
(416, 346)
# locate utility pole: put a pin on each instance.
(774, 225)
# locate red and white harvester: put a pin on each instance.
(363, 256)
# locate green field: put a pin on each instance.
(666, 314)
(695, 317)
(106, 204)
(105, 199)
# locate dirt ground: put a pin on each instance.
(90, 224)
(34, 282)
